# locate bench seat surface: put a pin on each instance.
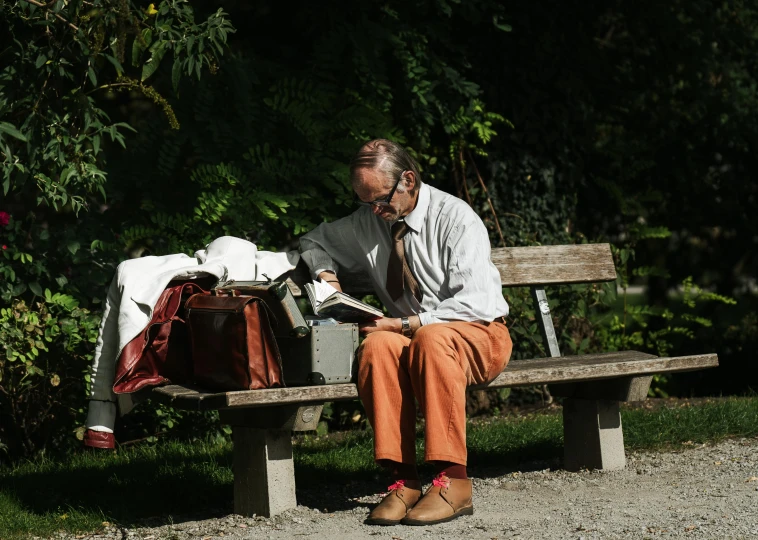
(565, 369)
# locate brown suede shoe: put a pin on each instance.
(447, 499)
(401, 498)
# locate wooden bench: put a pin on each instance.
(592, 385)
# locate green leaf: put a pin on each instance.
(34, 370)
(11, 130)
(35, 288)
(138, 47)
(65, 174)
(116, 64)
(73, 246)
(499, 25)
(155, 60)
(137, 50)
(92, 76)
(176, 73)
(41, 59)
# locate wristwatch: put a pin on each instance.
(406, 327)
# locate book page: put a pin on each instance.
(323, 290)
(329, 302)
(318, 291)
(345, 308)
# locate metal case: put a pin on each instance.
(326, 356)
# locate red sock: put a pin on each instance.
(400, 471)
(451, 470)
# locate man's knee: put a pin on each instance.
(382, 342)
(380, 348)
(432, 336)
(432, 342)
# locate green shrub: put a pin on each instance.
(45, 354)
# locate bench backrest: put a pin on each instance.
(518, 266)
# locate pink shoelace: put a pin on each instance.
(441, 481)
(399, 484)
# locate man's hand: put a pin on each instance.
(390, 325)
(383, 324)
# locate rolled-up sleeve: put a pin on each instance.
(331, 246)
(472, 278)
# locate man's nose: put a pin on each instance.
(376, 209)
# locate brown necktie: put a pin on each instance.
(399, 275)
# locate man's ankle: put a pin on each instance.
(402, 471)
(451, 470)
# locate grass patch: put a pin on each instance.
(80, 492)
(708, 421)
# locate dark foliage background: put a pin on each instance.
(152, 130)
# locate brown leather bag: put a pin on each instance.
(233, 345)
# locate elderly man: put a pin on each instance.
(428, 256)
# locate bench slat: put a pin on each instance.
(518, 373)
(518, 266)
(546, 265)
(594, 366)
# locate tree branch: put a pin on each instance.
(461, 165)
(461, 185)
(487, 194)
(57, 16)
(113, 85)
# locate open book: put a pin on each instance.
(329, 302)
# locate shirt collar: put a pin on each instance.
(415, 220)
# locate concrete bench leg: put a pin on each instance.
(592, 435)
(264, 473)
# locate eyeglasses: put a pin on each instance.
(380, 203)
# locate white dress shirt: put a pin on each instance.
(447, 248)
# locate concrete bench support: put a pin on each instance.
(264, 473)
(592, 435)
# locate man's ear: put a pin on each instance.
(410, 180)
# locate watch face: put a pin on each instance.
(406, 326)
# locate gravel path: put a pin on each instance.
(708, 491)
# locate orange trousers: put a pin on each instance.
(434, 367)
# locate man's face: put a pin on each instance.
(372, 185)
